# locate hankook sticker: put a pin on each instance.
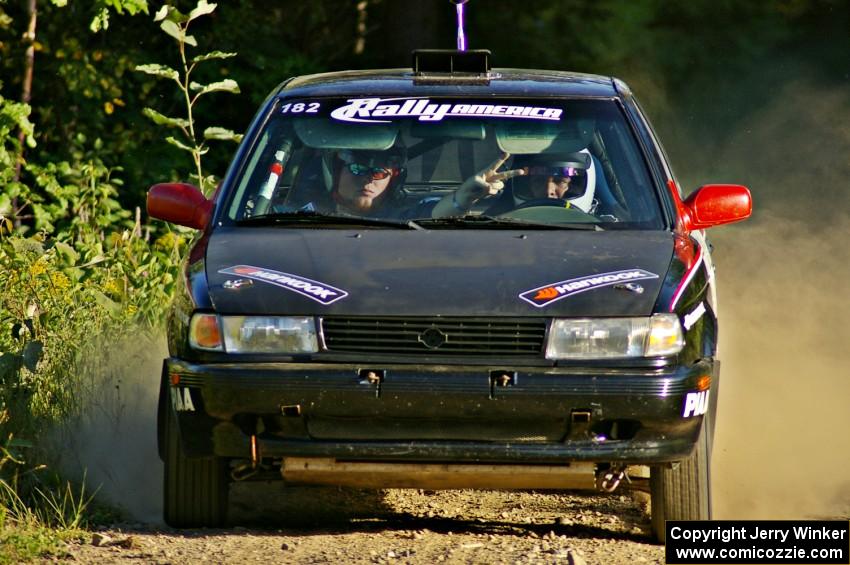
(372, 110)
(545, 295)
(314, 290)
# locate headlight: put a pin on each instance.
(269, 334)
(612, 338)
(257, 334)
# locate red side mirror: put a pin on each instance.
(716, 204)
(179, 203)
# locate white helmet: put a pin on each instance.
(578, 167)
(584, 201)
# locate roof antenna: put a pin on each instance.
(461, 38)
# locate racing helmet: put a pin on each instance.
(578, 167)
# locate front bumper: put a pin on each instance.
(427, 413)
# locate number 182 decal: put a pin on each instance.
(300, 107)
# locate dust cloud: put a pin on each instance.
(112, 444)
(782, 448)
(782, 444)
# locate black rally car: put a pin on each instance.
(445, 277)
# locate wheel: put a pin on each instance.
(535, 202)
(195, 490)
(549, 210)
(683, 493)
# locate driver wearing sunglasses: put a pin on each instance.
(366, 180)
(374, 173)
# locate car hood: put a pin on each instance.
(273, 270)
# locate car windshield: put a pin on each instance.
(552, 163)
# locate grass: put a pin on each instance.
(39, 524)
(20, 543)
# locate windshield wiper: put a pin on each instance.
(495, 221)
(317, 218)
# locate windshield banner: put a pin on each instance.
(377, 109)
(385, 110)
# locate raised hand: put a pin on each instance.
(486, 182)
(490, 181)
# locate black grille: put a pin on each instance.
(435, 336)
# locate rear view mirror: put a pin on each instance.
(716, 204)
(179, 203)
(451, 129)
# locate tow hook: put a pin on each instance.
(243, 472)
(611, 478)
(248, 470)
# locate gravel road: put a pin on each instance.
(330, 525)
(117, 448)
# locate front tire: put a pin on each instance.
(195, 490)
(683, 493)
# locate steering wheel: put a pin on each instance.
(534, 202)
(549, 210)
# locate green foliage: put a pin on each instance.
(60, 507)
(160, 71)
(212, 55)
(176, 24)
(20, 543)
(80, 197)
(222, 134)
(14, 117)
(101, 19)
(90, 270)
(36, 515)
(56, 296)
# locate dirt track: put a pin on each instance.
(318, 525)
(116, 445)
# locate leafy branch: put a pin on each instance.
(176, 24)
(100, 21)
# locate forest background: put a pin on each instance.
(91, 114)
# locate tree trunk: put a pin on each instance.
(29, 62)
(26, 89)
